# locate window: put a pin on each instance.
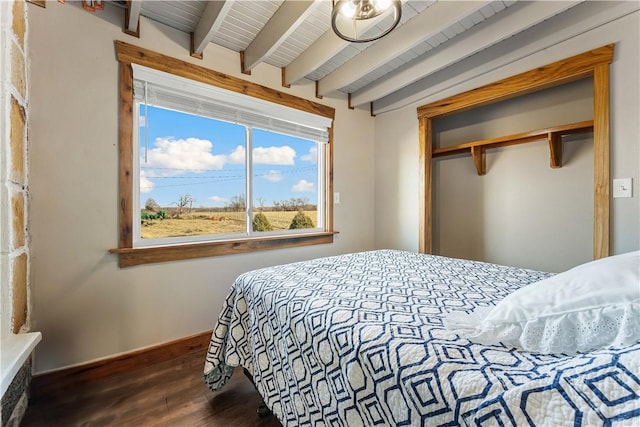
(207, 169)
(214, 164)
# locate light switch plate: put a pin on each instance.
(336, 198)
(622, 187)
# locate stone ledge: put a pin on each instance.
(16, 349)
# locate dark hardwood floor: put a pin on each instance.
(170, 393)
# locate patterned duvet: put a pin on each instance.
(358, 340)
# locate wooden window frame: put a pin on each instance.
(128, 255)
(594, 64)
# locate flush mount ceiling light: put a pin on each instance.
(359, 21)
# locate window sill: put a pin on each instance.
(129, 257)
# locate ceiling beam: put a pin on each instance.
(526, 50)
(323, 49)
(435, 19)
(287, 18)
(132, 17)
(515, 19)
(209, 23)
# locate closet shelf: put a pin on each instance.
(553, 135)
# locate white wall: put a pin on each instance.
(396, 162)
(85, 306)
(513, 213)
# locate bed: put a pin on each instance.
(360, 340)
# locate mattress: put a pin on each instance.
(359, 340)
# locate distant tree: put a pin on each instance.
(292, 204)
(261, 222)
(151, 205)
(300, 203)
(301, 220)
(237, 203)
(184, 201)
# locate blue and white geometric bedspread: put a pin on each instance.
(358, 340)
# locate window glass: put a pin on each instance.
(285, 182)
(201, 165)
(192, 178)
(193, 181)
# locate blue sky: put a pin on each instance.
(205, 158)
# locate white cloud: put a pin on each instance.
(284, 155)
(170, 157)
(217, 199)
(304, 186)
(176, 156)
(237, 156)
(146, 186)
(312, 156)
(273, 176)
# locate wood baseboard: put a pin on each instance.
(43, 383)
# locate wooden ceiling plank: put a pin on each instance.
(554, 32)
(284, 22)
(322, 50)
(435, 19)
(506, 24)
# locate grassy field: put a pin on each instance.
(197, 223)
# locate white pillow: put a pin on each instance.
(593, 305)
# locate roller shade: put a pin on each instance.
(166, 90)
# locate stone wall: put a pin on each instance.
(14, 194)
(15, 400)
(15, 191)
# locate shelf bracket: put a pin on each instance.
(555, 149)
(478, 153)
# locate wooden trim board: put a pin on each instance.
(555, 74)
(129, 256)
(131, 54)
(594, 63)
(43, 383)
